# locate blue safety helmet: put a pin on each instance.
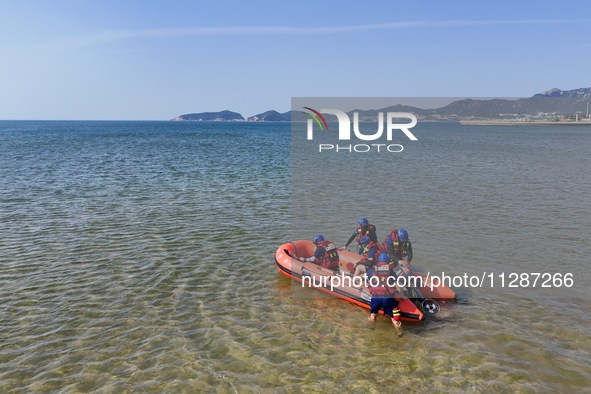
(363, 222)
(319, 238)
(403, 235)
(384, 258)
(364, 240)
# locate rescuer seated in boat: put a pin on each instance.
(364, 229)
(325, 253)
(398, 246)
(370, 251)
(383, 292)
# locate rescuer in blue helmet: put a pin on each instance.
(398, 246)
(325, 254)
(364, 228)
(370, 251)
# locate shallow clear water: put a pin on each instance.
(138, 256)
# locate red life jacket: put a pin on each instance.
(370, 245)
(382, 272)
(331, 256)
(360, 232)
(400, 248)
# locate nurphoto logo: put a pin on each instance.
(344, 130)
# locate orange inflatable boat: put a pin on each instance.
(414, 301)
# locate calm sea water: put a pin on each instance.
(138, 257)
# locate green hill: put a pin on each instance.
(222, 116)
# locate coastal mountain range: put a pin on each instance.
(551, 102)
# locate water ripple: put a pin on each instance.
(138, 256)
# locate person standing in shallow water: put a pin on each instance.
(382, 292)
(364, 229)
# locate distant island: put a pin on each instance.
(271, 116)
(229, 116)
(553, 107)
(222, 116)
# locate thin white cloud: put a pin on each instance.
(114, 35)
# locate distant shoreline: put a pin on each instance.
(522, 123)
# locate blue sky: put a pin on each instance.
(159, 59)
